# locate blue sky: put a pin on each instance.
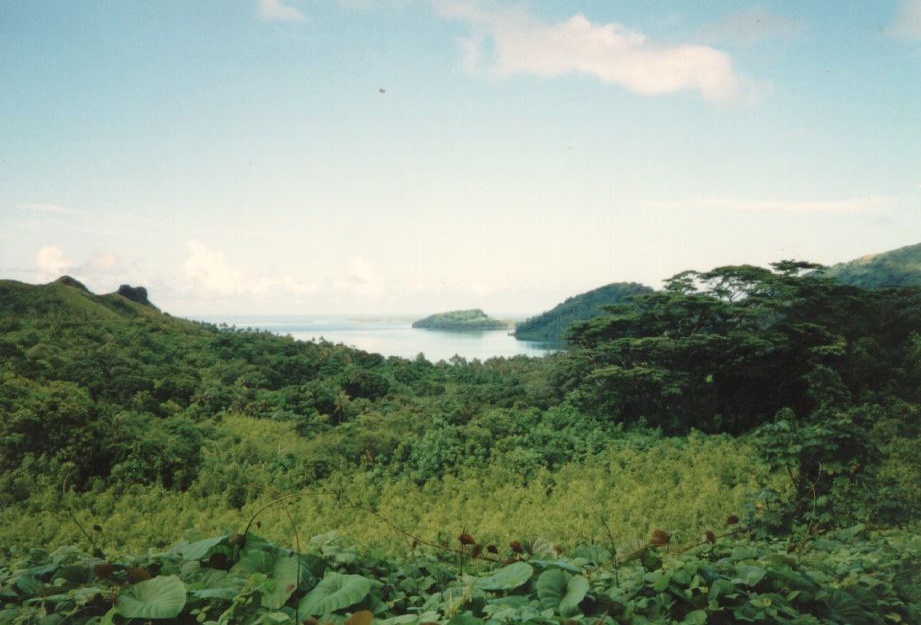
(411, 156)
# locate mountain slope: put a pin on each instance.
(899, 267)
(552, 325)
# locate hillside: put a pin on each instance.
(694, 434)
(899, 267)
(553, 324)
(460, 320)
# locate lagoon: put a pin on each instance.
(391, 336)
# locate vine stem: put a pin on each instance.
(604, 524)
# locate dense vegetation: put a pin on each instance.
(740, 446)
(901, 267)
(553, 324)
(474, 319)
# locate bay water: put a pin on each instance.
(391, 336)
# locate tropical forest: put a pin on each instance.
(739, 446)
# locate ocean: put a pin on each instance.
(391, 336)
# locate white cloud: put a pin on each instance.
(612, 53)
(51, 263)
(208, 270)
(848, 205)
(751, 26)
(278, 11)
(907, 24)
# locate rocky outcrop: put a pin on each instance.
(135, 294)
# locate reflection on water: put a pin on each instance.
(393, 336)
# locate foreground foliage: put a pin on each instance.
(851, 577)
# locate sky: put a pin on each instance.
(416, 156)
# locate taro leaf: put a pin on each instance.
(724, 588)
(29, 584)
(334, 592)
(560, 591)
(74, 573)
(555, 564)
(255, 560)
(847, 608)
(226, 593)
(465, 619)
(159, 597)
(695, 617)
(277, 590)
(453, 598)
(403, 619)
(201, 549)
(849, 533)
(507, 578)
(750, 574)
(592, 554)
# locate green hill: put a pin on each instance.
(899, 267)
(788, 414)
(474, 319)
(552, 325)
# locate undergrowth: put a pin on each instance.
(849, 577)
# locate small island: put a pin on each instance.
(474, 319)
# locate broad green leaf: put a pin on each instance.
(283, 582)
(276, 618)
(555, 564)
(74, 574)
(453, 598)
(334, 592)
(560, 591)
(255, 560)
(201, 549)
(507, 578)
(722, 587)
(465, 619)
(226, 593)
(695, 617)
(157, 598)
(551, 587)
(749, 574)
(403, 619)
(847, 608)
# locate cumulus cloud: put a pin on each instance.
(208, 270)
(612, 53)
(907, 24)
(751, 26)
(278, 11)
(51, 263)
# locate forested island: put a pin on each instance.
(553, 324)
(739, 446)
(474, 319)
